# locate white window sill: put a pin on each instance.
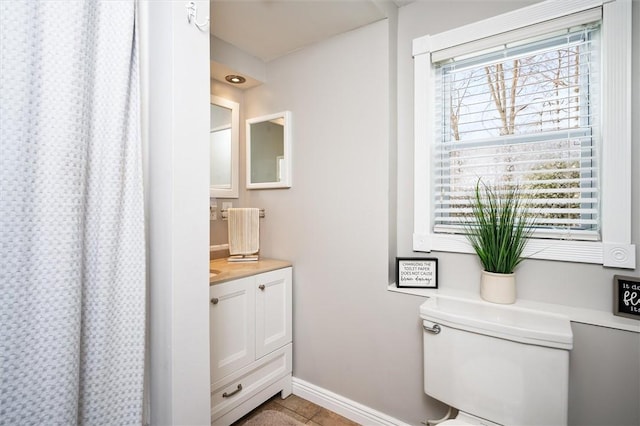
(613, 255)
(578, 315)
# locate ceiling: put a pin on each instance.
(268, 29)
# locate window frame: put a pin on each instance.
(615, 248)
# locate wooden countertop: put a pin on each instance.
(226, 271)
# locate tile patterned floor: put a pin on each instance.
(302, 410)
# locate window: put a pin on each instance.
(541, 103)
(525, 113)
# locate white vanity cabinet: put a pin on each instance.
(250, 342)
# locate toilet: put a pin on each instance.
(496, 364)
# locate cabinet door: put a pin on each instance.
(273, 310)
(231, 326)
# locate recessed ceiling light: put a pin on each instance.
(235, 79)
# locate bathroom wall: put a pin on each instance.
(352, 336)
(175, 136)
(605, 372)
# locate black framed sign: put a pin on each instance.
(626, 296)
(416, 272)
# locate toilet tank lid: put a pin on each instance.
(504, 321)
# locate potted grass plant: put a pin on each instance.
(498, 232)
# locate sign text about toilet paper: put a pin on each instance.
(421, 273)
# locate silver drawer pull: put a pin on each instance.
(434, 330)
(228, 395)
(215, 300)
(261, 287)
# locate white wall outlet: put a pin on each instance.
(213, 211)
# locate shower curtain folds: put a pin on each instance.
(72, 243)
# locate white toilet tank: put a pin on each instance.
(502, 363)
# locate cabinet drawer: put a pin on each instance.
(236, 388)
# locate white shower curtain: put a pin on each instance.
(72, 245)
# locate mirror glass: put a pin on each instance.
(223, 141)
(269, 151)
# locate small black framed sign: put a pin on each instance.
(626, 296)
(416, 272)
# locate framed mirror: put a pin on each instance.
(224, 141)
(269, 151)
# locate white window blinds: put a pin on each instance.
(524, 113)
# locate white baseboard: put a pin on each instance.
(345, 407)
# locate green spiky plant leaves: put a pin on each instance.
(501, 226)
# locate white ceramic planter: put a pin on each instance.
(498, 288)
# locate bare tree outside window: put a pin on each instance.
(523, 119)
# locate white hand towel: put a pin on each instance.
(244, 231)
